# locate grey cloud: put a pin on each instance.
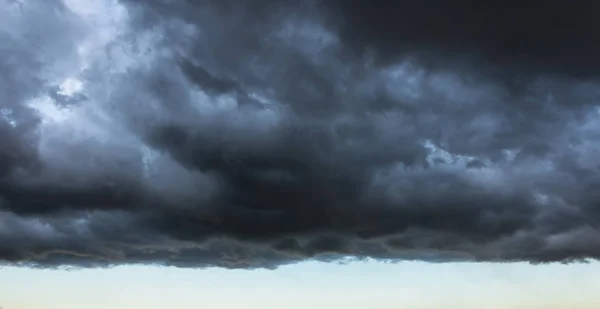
(32, 51)
(519, 38)
(212, 133)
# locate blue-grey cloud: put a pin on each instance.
(220, 133)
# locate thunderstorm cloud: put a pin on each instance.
(247, 134)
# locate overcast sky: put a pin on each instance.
(257, 134)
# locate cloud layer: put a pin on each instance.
(230, 134)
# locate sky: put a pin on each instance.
(256, 141)
(406, 285)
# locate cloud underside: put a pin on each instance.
(244, 135)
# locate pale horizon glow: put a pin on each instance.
(406, 285)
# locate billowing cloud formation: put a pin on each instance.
(255, 134)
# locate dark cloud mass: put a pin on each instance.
(247, 134)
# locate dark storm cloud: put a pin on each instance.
(219, 133)
(527, 36)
